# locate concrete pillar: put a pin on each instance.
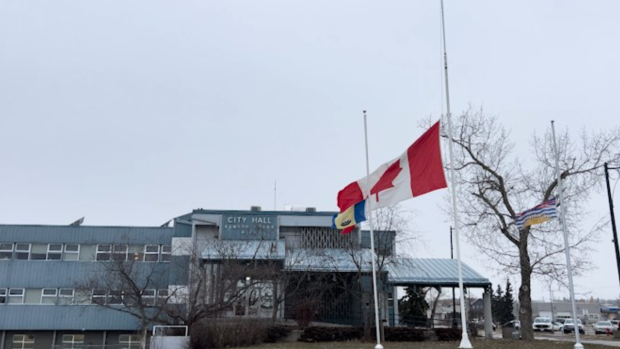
(488, 316)
(395, 300)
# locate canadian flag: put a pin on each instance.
(417, 171)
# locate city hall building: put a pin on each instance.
(239, 264)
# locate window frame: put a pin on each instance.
(17, 251)
(4, 296)
(64, 299)
(133, 341)
(165, 255)
(147, 253)
(119, 252)
(54, 252)
(99, 251)
(23, 342)
(4, 251)
(66, 253)
(73, 343)
(44, 296)
(23, 295)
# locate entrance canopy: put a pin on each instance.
(432, 272)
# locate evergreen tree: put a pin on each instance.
(496, 304)
(507, 304)
(413, 306)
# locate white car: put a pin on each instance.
(557, 326)
(569, 326)
(603, 327)
(542, 324)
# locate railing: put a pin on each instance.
(97, 346)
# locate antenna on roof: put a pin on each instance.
(166, 225)
(77, 223)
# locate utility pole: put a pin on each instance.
(613, 218)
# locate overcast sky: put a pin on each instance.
(134, 112)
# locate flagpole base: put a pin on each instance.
(465, 343)
(379, 346)
(578, 346)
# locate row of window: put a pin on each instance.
(68, 296)
(77, 252)
(23, 341)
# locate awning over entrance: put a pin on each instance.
(432, 272)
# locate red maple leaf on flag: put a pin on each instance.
(385, 182)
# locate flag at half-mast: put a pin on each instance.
(538, 214)
(417, 171)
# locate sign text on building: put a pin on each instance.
(249, 227)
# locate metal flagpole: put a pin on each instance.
(562, 207)
(372, 241)
(465, 343)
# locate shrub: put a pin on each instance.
(448, 334)
(275, 333)
(221, 333)
(403, 334)
(331, 334)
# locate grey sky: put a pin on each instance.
(133, 112)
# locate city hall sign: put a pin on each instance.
(249, 227)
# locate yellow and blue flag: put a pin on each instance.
(350, 217)
(538, 214)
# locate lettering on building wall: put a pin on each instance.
(249, 227)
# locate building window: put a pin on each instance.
(129, 341)
(2, 295)
(120, 253)
(49, 296)
(99, 296)
(72, 252)
(54, 252)
(148, 297)
(6, 251)
(136, 253)
(165, 253)
(22, 251)
(72, 341)
(151, 253)
(65, 296)
(162, 296)
(39, 252)
(23, 341)
(115, 297)
(104, 252)
(16, 296)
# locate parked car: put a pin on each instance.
(604, 327)
(556, 326)
(616, 323)
(542, 324)
(569, 326)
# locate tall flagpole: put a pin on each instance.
(562, 206)
(465, 343)
(372, 241)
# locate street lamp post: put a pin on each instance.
(613, 218)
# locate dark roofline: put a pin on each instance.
(81, 226)
(275, 213)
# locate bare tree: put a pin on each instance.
(495, 185)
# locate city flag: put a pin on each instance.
(350, 217)
(538, 214)
(417, 171)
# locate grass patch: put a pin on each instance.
(477, 344)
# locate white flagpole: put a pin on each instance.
(562, 207)
(465, 343)
(372, 241)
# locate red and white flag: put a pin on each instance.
(417, 171)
